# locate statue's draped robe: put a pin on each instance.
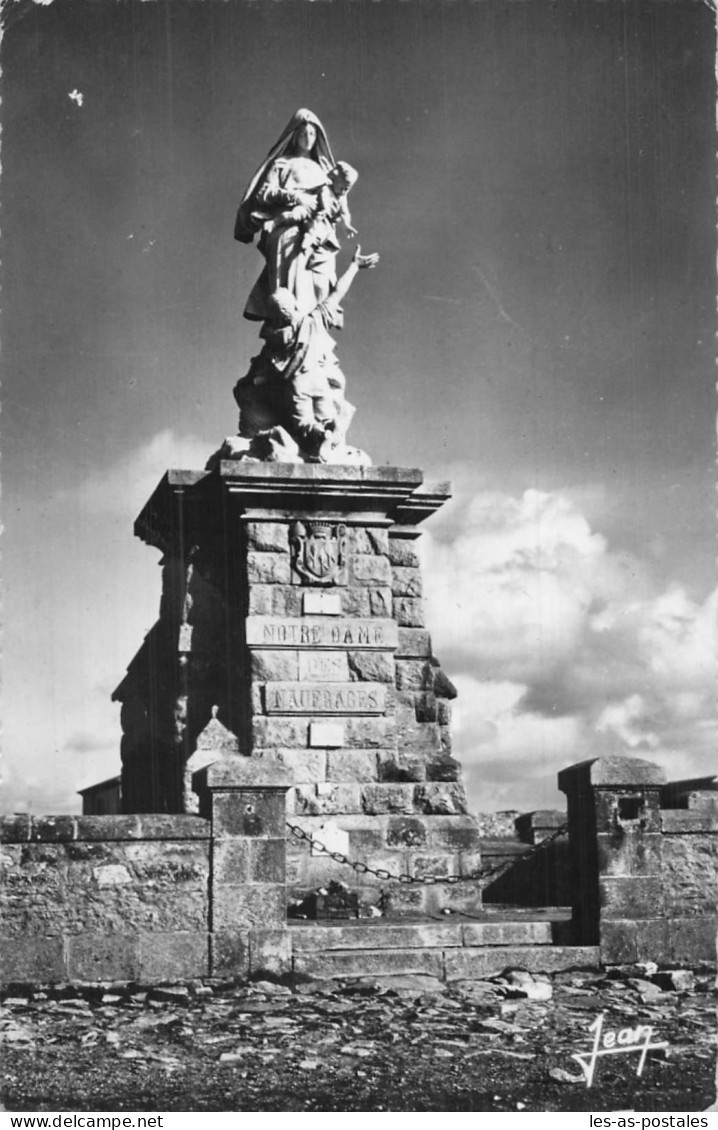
(309, 276)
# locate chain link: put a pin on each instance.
(426, 880)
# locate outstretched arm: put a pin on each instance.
(359, 263)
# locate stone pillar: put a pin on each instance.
(246, 801)
(616, 847)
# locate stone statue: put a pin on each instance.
(284, 194)
(292, 403)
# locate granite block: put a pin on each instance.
(414, 643)
(268, 568)
(370, 539)
(259, 600)
(53, 829)
(229, 953)
(693, 940)
(103, 957)
(15, 829)
(370, 733)
(301, 766)
(387, 798)
(267, 861)
(453, 833)
(406, 832)
(267, 537)
(399, 767)
(270, 951)
(268, 666)
(402, 552)
(248, 814)
(32, 959)
(230, 861)
(370, 569)
(287, 600)
(279, 732)
(414, 675)
(619, 942)
(634, 897)
(352, 765)
(241, 907)
(408, 611)
(653, 940)
(445, 798)
(371, 666)
(327, 799)
(628, 853)
(173, 956)
(406, 581)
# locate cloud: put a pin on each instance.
(125, 484)
(562, 647)
(80, 613)
(83, 743)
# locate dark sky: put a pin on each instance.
(539, 180)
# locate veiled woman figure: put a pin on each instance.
(294, 172)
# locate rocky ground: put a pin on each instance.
(389, 1044)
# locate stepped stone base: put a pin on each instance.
(412, 935)
(451, 951)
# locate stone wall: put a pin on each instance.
(87, 898)
(163, 898)
(645, 878)
(690, 864)
(690, 875)
(150, 898)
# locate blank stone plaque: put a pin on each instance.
(326, 735)
(322, 604)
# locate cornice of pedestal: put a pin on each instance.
(188, 502)
(289, 486)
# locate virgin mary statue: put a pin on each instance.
(293, 173)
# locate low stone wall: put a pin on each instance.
(162, 898)
(150, 898)
(690, 880)
(645, 878)
(104, 898)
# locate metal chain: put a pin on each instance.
(450, 880)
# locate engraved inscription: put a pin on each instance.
(275, 631)
(324, 698)
(323, 667)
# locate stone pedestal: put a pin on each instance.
(292, 606)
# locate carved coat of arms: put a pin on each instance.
(319, 552)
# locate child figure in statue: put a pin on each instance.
(331, 207)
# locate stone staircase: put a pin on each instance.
(451, 950)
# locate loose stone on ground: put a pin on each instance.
(382, 1043)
